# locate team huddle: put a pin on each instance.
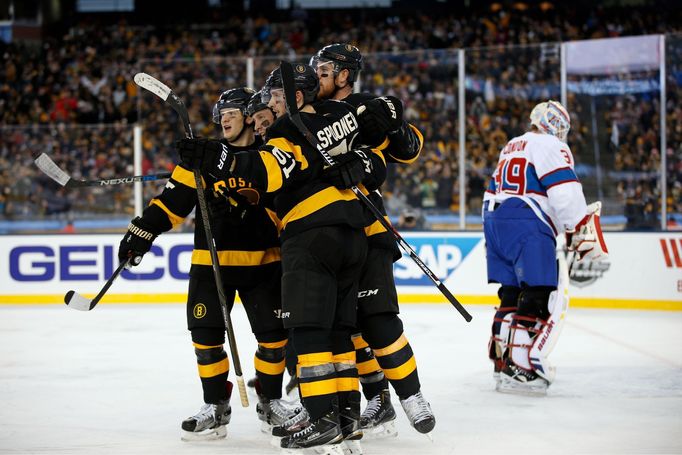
(314, 267)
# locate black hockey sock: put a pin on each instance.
(372, 377)
(384, 333)
(269, 364)
(213, 370)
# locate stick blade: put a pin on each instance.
(152, 84)
(77, 302)
(51, 169)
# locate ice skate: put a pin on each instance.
(378, 419)
(208, 424)
(349, 419)
(322, 436)
(289, 427)
(275, 413)
(419, 413)
(514, 379)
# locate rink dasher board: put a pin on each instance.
(644, 270)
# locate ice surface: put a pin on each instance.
(121, 378)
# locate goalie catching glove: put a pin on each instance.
(349, 169)
(586, 239)
(378, 118)
(136, 242)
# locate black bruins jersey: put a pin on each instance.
(291, 169)
(402, 147)
(248, 246)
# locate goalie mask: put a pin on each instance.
(552, 118)
(305, 79)
(236, 98)
(341, 56)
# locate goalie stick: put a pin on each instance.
(164, 92)
(50, 168)
(288, 84)
(78, 302)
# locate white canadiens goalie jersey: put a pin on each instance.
(539, 169)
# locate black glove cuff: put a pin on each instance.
(138, 228)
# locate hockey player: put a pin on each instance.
(262, 117)
(249, 255)
(382, 350)
(534, 195)
(323, 247)
(260, 114)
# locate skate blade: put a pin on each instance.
(381, 431)
(351, 447)
(534, 389)
(211, 434)
(327, 449)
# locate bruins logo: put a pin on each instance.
(300, 68)
(349, 48)
(199, 310)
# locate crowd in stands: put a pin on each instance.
(54, 97)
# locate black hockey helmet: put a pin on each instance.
(305, 79)
(342, 56)
(255, 104)
(235, 98)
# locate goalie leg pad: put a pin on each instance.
(497, 346)
(530, 316)
(546, 339)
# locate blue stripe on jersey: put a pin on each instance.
(558, 176)
(533, 184)
(491, 186)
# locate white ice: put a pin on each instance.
(121, 378)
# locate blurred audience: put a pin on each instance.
(57, 98)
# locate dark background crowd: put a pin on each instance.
(70, 94)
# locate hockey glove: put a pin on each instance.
(349, 169)
(207, 155)
(379, 117)
(228, 208)
(136, 242)
(586, 239)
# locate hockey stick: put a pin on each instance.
(161, 90)
(56, 173)
(78, 302)
(288, 84)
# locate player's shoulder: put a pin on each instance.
(545, 144)
(243, 148)
(331, 108)
(282, 127)
(356, 99)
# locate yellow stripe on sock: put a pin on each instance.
(368, 367)
(401, 372)
(347, 384)
(396, 346)
(272, 369)
(317, 388)
(214, 369)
